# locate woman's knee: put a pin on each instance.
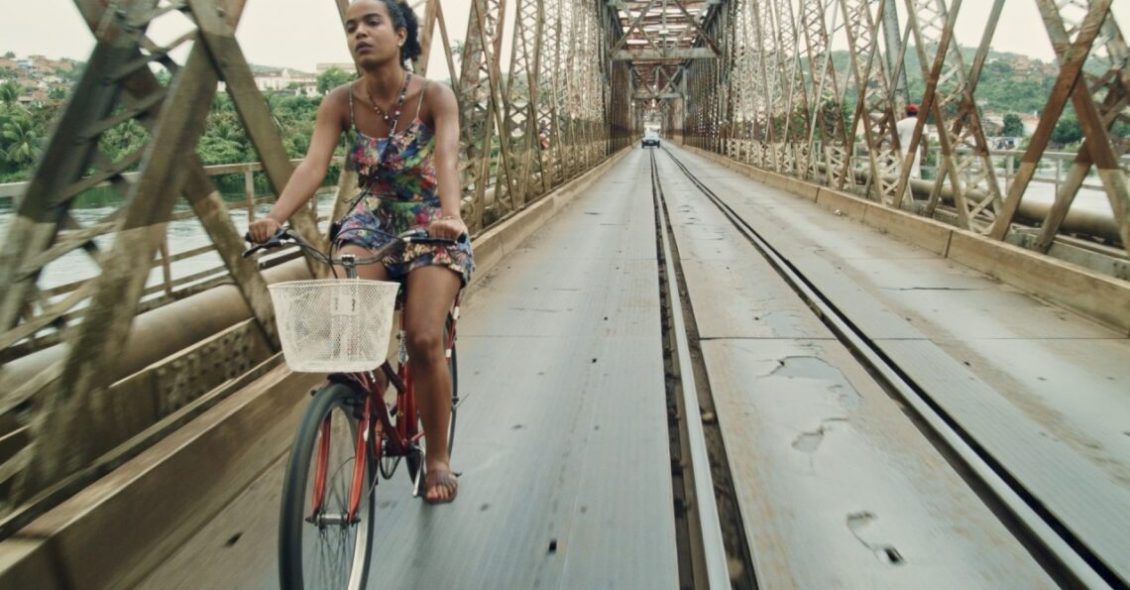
(425, 345)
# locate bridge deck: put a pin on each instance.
(563, 438)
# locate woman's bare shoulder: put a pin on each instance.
(438, 95)
(335, 104)
(436, 89)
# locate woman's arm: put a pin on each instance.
(308, 176)
(445, 116)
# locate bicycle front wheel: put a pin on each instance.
(319, 545)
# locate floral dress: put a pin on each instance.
(399, 192)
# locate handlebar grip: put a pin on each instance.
(272, 242)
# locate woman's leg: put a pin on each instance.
(375, 271)
(431, 292)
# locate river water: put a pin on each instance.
(185, 234)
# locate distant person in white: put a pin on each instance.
(905, 129)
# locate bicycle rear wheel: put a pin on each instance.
(321, 549)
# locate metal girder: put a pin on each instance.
(549, 72)
(522, 96)
(70, 404)
(1098, 38)
(657, 33)
(827, 123)
(761, 103)
(480, 101)
(768, 91)
(68, 154)
(950, 88)
(661, 96)
(677, 55)
(795, 99)
(873, 110)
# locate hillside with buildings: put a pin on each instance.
(37, 79)
(34, 88)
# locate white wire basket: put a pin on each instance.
(334, 326)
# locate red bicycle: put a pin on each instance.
(351, 432)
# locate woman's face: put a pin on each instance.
(369, 30)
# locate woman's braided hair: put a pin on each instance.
(404, 18)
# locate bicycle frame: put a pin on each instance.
(376, 433)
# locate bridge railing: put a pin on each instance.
(178, 270)
(784, 106)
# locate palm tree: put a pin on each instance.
(18, 139)
(9, 92)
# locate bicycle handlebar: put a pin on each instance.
(285, 236)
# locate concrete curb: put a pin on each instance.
(1099, 297)
(120, 528)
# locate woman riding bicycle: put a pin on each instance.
(405, 153)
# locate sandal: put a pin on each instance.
(444, 478)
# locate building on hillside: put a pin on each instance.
(992, 123)
(36, 97)
(325, 67)
(287, 80)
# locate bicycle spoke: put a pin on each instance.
(331, 550)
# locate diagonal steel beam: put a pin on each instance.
(71, 407)
(1072, 58)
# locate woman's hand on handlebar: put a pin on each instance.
(448, 227)
(261, 230)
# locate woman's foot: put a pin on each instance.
(440, 485)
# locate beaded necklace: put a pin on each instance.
(395, 116)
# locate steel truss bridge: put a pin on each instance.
(552, 94)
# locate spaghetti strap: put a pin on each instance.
(420, 102)
(352, 120)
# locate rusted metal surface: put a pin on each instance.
(72, 407)
(746, 106)
(950, 88)
(1096, 115)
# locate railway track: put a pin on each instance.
(697, 444)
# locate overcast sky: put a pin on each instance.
(301, 33)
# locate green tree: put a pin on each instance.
(19, 139)
(56, 93)
(1013, 127)
(332, 78)
(224, 140)
(9, 92)
(1067, 130)
(124, 139)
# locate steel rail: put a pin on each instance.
(1073, 560)
(709, 524)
